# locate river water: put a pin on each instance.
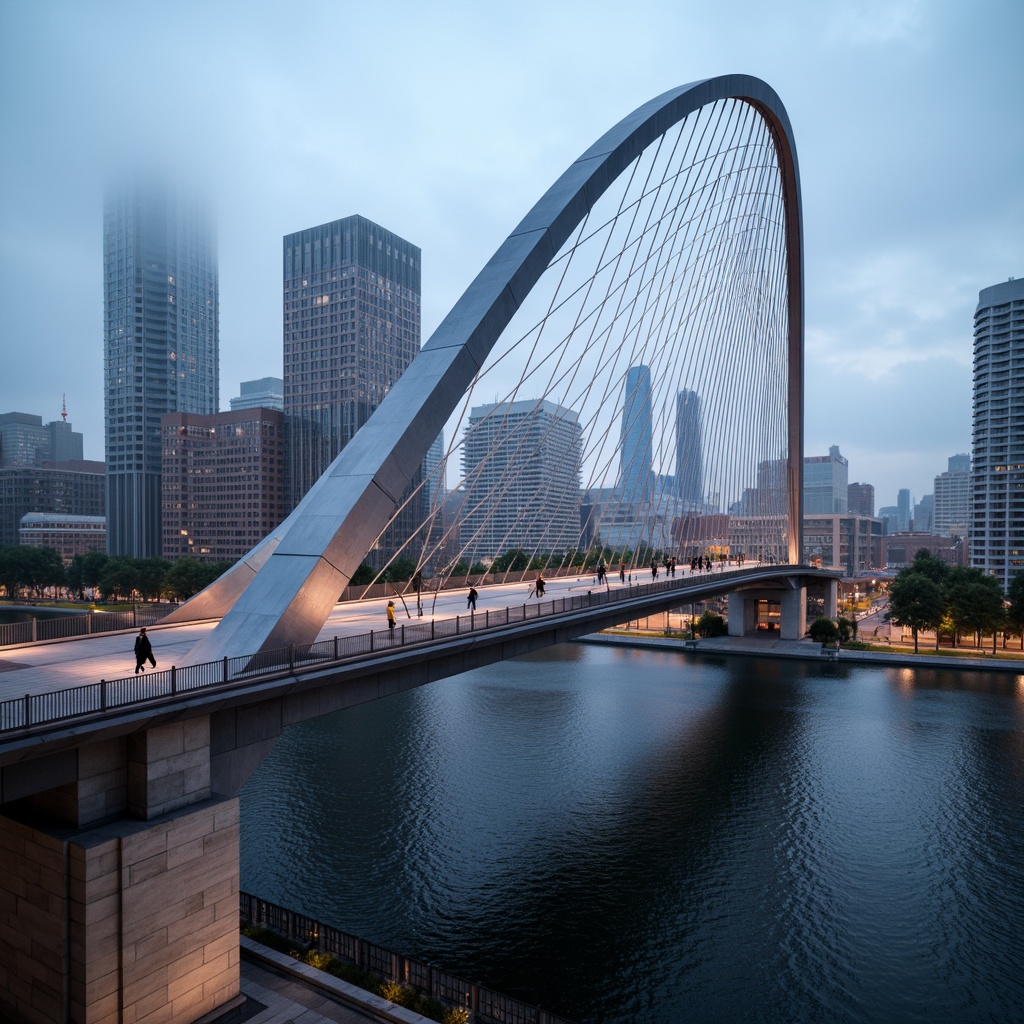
(624, 835)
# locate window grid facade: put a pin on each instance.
(997, 475)
(352, 325)
(224, 486)
(521, 462)
(161, 348)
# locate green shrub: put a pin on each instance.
(823, 631)
(710, 624)
(455, 1015)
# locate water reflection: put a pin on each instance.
(625, 835)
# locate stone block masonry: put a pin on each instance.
(125, 923)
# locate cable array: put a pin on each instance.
(636, 406)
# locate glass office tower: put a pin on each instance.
(161, 353)
(351, 327)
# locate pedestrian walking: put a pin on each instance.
(622, 572)
(143, 652)
(391, 618)
(540, 586)
(471, 599)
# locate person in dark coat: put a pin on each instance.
(143, 652)
(471, 599)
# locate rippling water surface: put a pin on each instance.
(630, 836)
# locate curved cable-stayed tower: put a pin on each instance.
(673, 243)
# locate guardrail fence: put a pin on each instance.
(485, 1005)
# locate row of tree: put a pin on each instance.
(36, 572)
(955, 601)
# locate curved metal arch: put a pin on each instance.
(283, 591)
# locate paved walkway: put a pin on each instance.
(290, 992)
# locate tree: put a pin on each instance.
(515, 560)
(363, 576)
(149, 579)
(1015, 613)
(915, 600)
(823, 631)
(402, 568)
(710, 624)
(118, 579)
(184, 578)
(975, 603)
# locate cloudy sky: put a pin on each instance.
(445, 121)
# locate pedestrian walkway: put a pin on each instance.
(280, 990)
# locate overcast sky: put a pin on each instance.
(445, 122)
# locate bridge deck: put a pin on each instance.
(77, 661)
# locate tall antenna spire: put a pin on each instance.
(64, 406)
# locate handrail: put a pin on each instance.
(485, 1005)
(90, 699)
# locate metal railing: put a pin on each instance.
(155, 687)
(83, 624)
(485, 1005)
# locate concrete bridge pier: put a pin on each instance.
(119, 891)
(743, 618)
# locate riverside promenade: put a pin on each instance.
(278, 989)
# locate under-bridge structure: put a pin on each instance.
(622, 382)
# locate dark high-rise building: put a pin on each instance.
(223, 482)
(160, 313)
(24, 441)
(860, 499)
(66, 488)
(351, 327)
(997, 469)
(636, 483)
(689, 481)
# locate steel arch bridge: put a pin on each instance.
(692, 206)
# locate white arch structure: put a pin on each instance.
(283, 591)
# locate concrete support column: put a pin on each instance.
(742, 613)
(793, 619)
(832, 599)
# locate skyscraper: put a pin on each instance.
(953, 497)
(997, 478)
(351, 327)
(826, 483)
(636, 451)
(860, 498)
(903, 505)
(689, 479)
(160, 310)
(521, 462)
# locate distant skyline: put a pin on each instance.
(446, 122)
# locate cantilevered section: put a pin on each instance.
(283, 591)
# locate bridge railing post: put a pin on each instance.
(28, 710)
